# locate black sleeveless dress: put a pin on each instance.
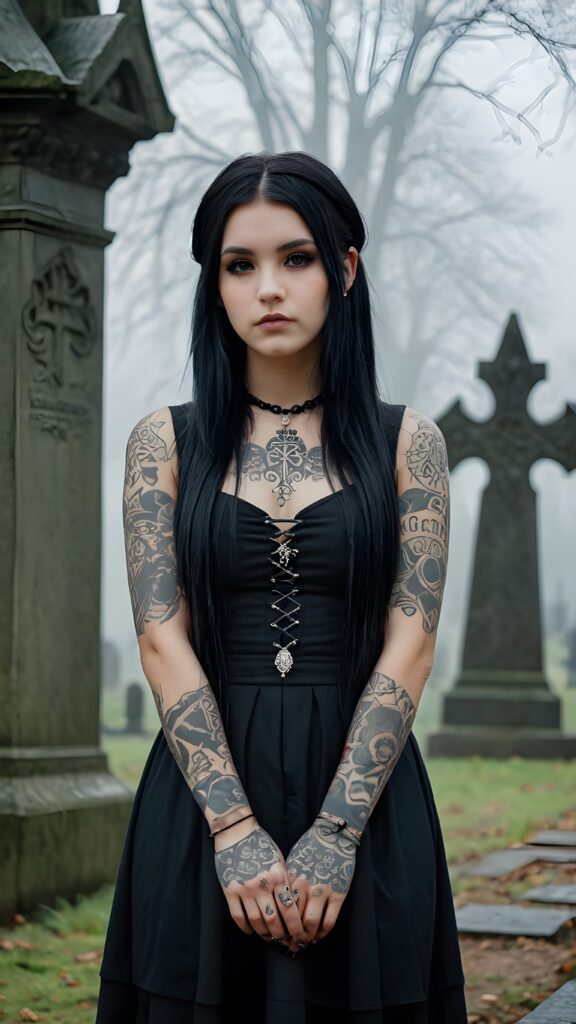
(173, 954)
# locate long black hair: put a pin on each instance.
(352, 421)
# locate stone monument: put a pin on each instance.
(77, 90)
(501, 704)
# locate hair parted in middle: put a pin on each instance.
(353, 418)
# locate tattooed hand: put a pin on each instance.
(321, 865)
(253, 876)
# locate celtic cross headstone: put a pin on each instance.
(502, 704)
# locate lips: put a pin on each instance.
(271, 317)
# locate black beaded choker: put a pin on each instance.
(311, 403)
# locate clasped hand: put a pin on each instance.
(321, 865)
(296, 901)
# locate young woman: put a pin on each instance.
(286, 541)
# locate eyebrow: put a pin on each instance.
(281, 248)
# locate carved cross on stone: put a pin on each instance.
(502, 691)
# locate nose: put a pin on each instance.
(269, 287)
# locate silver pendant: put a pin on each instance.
(284, 661)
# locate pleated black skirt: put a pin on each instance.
(127, 1004)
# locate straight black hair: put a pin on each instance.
(352, 427)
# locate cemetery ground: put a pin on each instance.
(49, 959)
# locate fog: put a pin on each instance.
(146, 327)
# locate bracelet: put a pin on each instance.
(223, 829)
(342, 826)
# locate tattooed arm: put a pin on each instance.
(249, 864)
(324, 858)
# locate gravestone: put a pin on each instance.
(551, 894)
(110, 665)
(554, 837)
(554, 854)
(501, 704)
(134, 709)
(77, 90)
(501, 862)
(496, 863)
(506, 919)
(571, 657)
(560, 1008)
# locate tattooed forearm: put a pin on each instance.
(378, 731)
(190, 717)
(148, 515)
(195, 735)
(424, 528)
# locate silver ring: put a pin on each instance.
(285, 896)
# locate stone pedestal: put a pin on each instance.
(65, 134)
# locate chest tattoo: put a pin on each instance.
(283, 462)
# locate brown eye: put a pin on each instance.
(301, 255)
(236, 263)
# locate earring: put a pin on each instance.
(345, 293)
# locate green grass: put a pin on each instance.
(46, 978)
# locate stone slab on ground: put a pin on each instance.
(497, 863)
(501, 862)
(560, 1008)
(506, 919)
(555, 854)
(551, 894)
(554, 837)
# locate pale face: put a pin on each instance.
(291, 280)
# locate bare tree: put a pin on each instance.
(368, 88)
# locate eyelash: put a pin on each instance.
(308, 258)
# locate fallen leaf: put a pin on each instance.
(86, 958)
(68, 979)
(19, 919)
(6, 944)
(488, 997)
(27, 1014)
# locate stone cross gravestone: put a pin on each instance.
(501, 704)
(135, 708)
(77, 90)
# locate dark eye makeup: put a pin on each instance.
(303, 255)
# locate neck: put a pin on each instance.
(279, 382)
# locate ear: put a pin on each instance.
(350, 266)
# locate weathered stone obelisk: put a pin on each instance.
(501, 704)
(77, 90)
